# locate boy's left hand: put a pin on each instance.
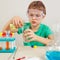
(29, 35)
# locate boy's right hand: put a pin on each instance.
(17, 21)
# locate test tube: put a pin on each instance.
(25, 27)
(0, 45)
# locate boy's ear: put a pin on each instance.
(27, 14)
(44, 16)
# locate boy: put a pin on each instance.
(34, 32)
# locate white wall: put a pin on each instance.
(10, 8)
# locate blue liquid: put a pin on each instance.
(53, 55)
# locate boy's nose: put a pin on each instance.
(33, 17)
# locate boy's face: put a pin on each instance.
(35, 16)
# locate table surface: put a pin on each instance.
(25, 51)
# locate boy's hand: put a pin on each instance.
(17, 21)
(29, 35)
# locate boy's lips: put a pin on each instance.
(33, 22)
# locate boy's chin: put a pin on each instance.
(34, 25)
